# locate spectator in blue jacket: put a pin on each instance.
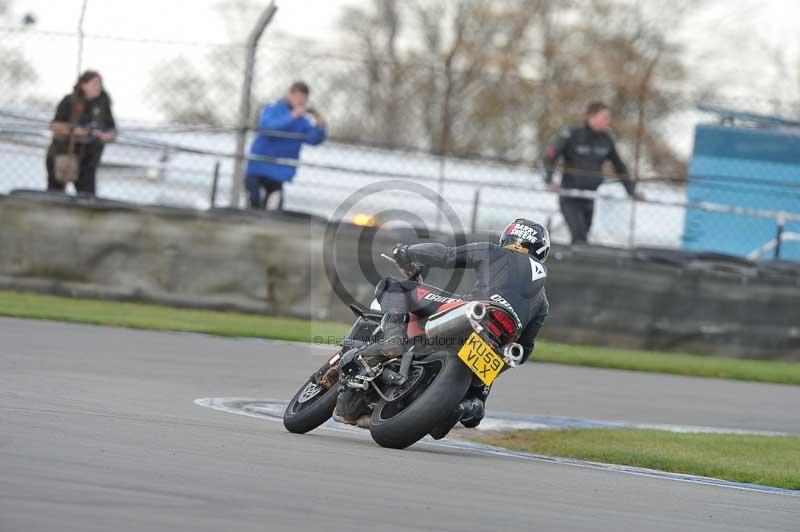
(283, 128)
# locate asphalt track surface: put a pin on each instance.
(98, 431)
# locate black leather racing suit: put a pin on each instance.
(513, 280)
(584, 151)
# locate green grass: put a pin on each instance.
(767, 460)
(159, 318)
(675, 363)
(145, 316)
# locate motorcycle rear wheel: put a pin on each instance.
(398, 424)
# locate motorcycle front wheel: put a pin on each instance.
(310, 407)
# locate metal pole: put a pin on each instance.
(244, 102)
(475, 201)
(440, 191)
(214, 184)
(80, 36)
(780, 220)
(632, 225)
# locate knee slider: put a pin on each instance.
(382, 286)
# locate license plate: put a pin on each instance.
(481, 358)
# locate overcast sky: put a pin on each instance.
(126, 66)
(727, 41)
(189, 20)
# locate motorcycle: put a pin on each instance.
(462, 347)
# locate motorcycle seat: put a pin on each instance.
(364, 312)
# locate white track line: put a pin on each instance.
(273, 411)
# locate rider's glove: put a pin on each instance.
(400, 254)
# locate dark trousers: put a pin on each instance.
(256, 184)
(398, 296)
(578, 214)
(88, 161)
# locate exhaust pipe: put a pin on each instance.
(512, 354)
(476, 311)
(457, 322)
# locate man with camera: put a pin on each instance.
(283, 128)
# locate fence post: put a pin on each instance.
(80, 36)
(632, 224)
(440, 191)
(214, 184)
(780, 221)
(244, 102)
(475, 201)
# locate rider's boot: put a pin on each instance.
(393, 340)
(351, 409)
(474, 416)
(470, 408)
(473, 412)
(363, 421)
(394, 327)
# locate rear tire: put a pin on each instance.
(305, 412)
(403, 422)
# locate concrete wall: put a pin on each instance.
(704, 306)
(176, 256)
(274, 264)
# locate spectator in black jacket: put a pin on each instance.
(584, 149)
(82, 125)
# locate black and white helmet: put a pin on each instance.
(529, 235)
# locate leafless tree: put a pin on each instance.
(624, 54)
(17, 76)
(204, 91)
(372, 33)
(470, 76)
(181, 93)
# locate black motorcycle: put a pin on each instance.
(461, 348)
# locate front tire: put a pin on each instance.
(405, 421)
(310, 407)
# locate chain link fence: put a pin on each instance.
(473, 136)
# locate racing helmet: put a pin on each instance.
(528, 235)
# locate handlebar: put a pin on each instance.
(414, 275)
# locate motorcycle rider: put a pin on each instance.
(584, 149)
(511, 274)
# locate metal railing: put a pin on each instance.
(483, 205)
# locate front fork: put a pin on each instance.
(328, 374)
